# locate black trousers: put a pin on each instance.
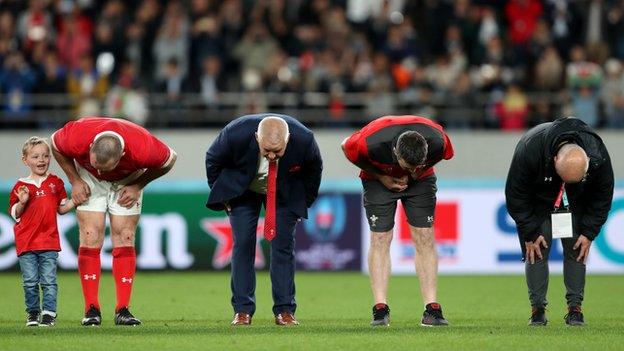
(573, 271)
(244, 221)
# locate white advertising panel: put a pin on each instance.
(475, 234)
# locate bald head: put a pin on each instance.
(105, 152)
(272, 136)
(571, 163)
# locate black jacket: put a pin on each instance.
(533, 184)
(232, 162)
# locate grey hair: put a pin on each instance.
(107, 148)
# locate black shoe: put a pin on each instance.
(92, 317)
(575, 317)
(32, 319)
(124, 317)
(47, 319)
(538, 316)
(432, 317)
(381, 315)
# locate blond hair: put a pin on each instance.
(32, 142)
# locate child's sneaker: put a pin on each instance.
(47, 319)
(32, 319)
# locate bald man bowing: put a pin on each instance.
(559, 186)
(271, 160)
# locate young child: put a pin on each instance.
(33, 203)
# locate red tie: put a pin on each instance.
(269, 216)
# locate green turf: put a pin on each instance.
(186, 311)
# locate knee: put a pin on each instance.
(381, 240)
(92, 236)
(423, 237)
(246, 240)
(284, 246)
(48, 280)
(123, 237)
(30, 281)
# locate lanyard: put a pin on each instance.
(561, 197)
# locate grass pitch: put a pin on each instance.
(191, 311)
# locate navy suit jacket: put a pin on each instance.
(232, 163)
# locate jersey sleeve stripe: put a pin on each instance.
(52, 141)
(172, 154)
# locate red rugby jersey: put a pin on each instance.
(141, 149)
(36, 228)
(375, 141)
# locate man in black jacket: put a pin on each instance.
(554, 164)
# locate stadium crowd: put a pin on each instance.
(467, 63)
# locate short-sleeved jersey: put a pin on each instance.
(36, 228)
(142, 150)
(375, 142)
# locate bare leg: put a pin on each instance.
(123, 229)
(426, 262)
(379, 264)
(91, 228)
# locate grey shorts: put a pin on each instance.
(419, 201)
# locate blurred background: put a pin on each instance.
(485, 70)
(469, 64)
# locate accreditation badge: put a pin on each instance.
(561, 224)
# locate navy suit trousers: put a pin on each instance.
(244, 221)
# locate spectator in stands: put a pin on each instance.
(210, 82)
(443, 73)
(232, 29)
(53, 76)
(333, 47)
(35, 24)
(87, 88)
(613, 94)
(457, 111)
(565, 24)
(380, 102)
(205, 41)
(8, 41)
(513, 110)
(17, 81)
(52, 79)
(488, 27)
(522, 16)
(549, 71)
(114, 14)
(105, 42)
(539, 41)
(133, 50)
(172, 41)
(148, 21)
(398, 47)
(126, 99)
(255, 48)
(74, 40)
(615, 28)
(172, 85)
(584, 81)
(594, 30)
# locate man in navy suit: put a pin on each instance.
(238, 167)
